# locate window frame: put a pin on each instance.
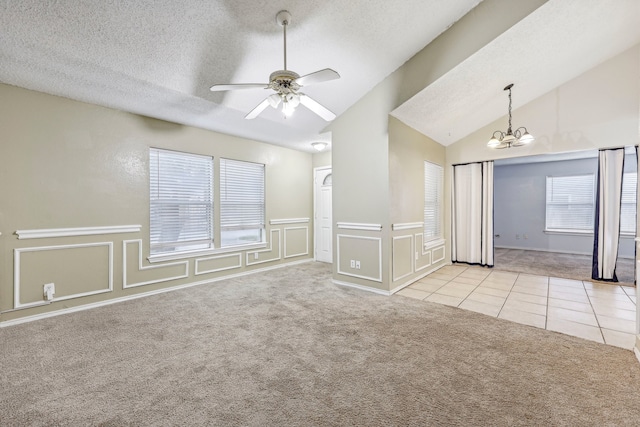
(567, 230)
(435, 233)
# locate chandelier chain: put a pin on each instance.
(509, 130)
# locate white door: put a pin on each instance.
(323, 233)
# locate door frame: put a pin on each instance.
(315, 211)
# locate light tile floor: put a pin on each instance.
(595, 311)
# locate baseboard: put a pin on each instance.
(362, 287)
(551, 250)
(90, 306)
(420, 276)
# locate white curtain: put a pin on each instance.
(606, 233)
(472, 214)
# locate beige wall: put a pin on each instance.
(361, 141)
(322, 159)
(66, 164)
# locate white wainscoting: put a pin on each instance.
(407, 226)
(198, 272)
(268, 249)
(377, 278)
(359, 226)
(289, 221)
(77, 231)
(396, 257)
(141, 267)
(17, 265)
(306, 236)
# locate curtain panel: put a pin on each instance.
(606, 233)
(472, 214)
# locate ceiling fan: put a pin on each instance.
(286, 85)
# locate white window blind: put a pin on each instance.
(433, 181)
(241, 202)
(181, 201)
(570, 203)
(628, 205)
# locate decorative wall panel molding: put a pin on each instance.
(407, 226)
(289, 221)
(402, 263)
(253, 254)
(79, 231)
(232, 266)
(423, 256)
(17, 265)
(378, 241)
(359, 226)
(437, 254)
(289, 230)
(141, 267)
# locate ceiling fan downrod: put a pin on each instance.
(284, 18)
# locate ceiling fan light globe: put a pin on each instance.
(274, 100)
(288, 109)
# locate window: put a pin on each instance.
(570, 203)
(433, 178)
(181, 201)
(628, 205)
(241, 202)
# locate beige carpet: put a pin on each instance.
(287, 347)
(554, 264)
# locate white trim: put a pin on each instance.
(171, 256)
(433, 243)
(423, 252)
(433, 255)
(16, 273)
(413, 280)
(83, 307)
(79, 231)
(362, 288)
(411, 256)
(374, 279)
(359, 226)
(141, 267)
(636, 352)
(269, 249)
(407, 226)
(197, 272)
(285, 241)
(288, 221)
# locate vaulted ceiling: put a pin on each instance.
(158, 58)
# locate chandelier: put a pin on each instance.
(510, 139)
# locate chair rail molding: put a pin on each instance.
(77, 231)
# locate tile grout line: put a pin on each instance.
(594, 312)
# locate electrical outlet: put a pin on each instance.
(255, 255)
(353, 263)
(357, 265)
(517, 237)
(417, 256)
(49, 289)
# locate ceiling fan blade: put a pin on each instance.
(318, 77)
(316, 108)
(256, 111)
(220, 88)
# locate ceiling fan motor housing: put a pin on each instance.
(283, 81)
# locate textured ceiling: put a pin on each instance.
(556, 43)
(158, 58)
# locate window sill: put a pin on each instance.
(171, 256)
(585, 233)
(433, 243)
